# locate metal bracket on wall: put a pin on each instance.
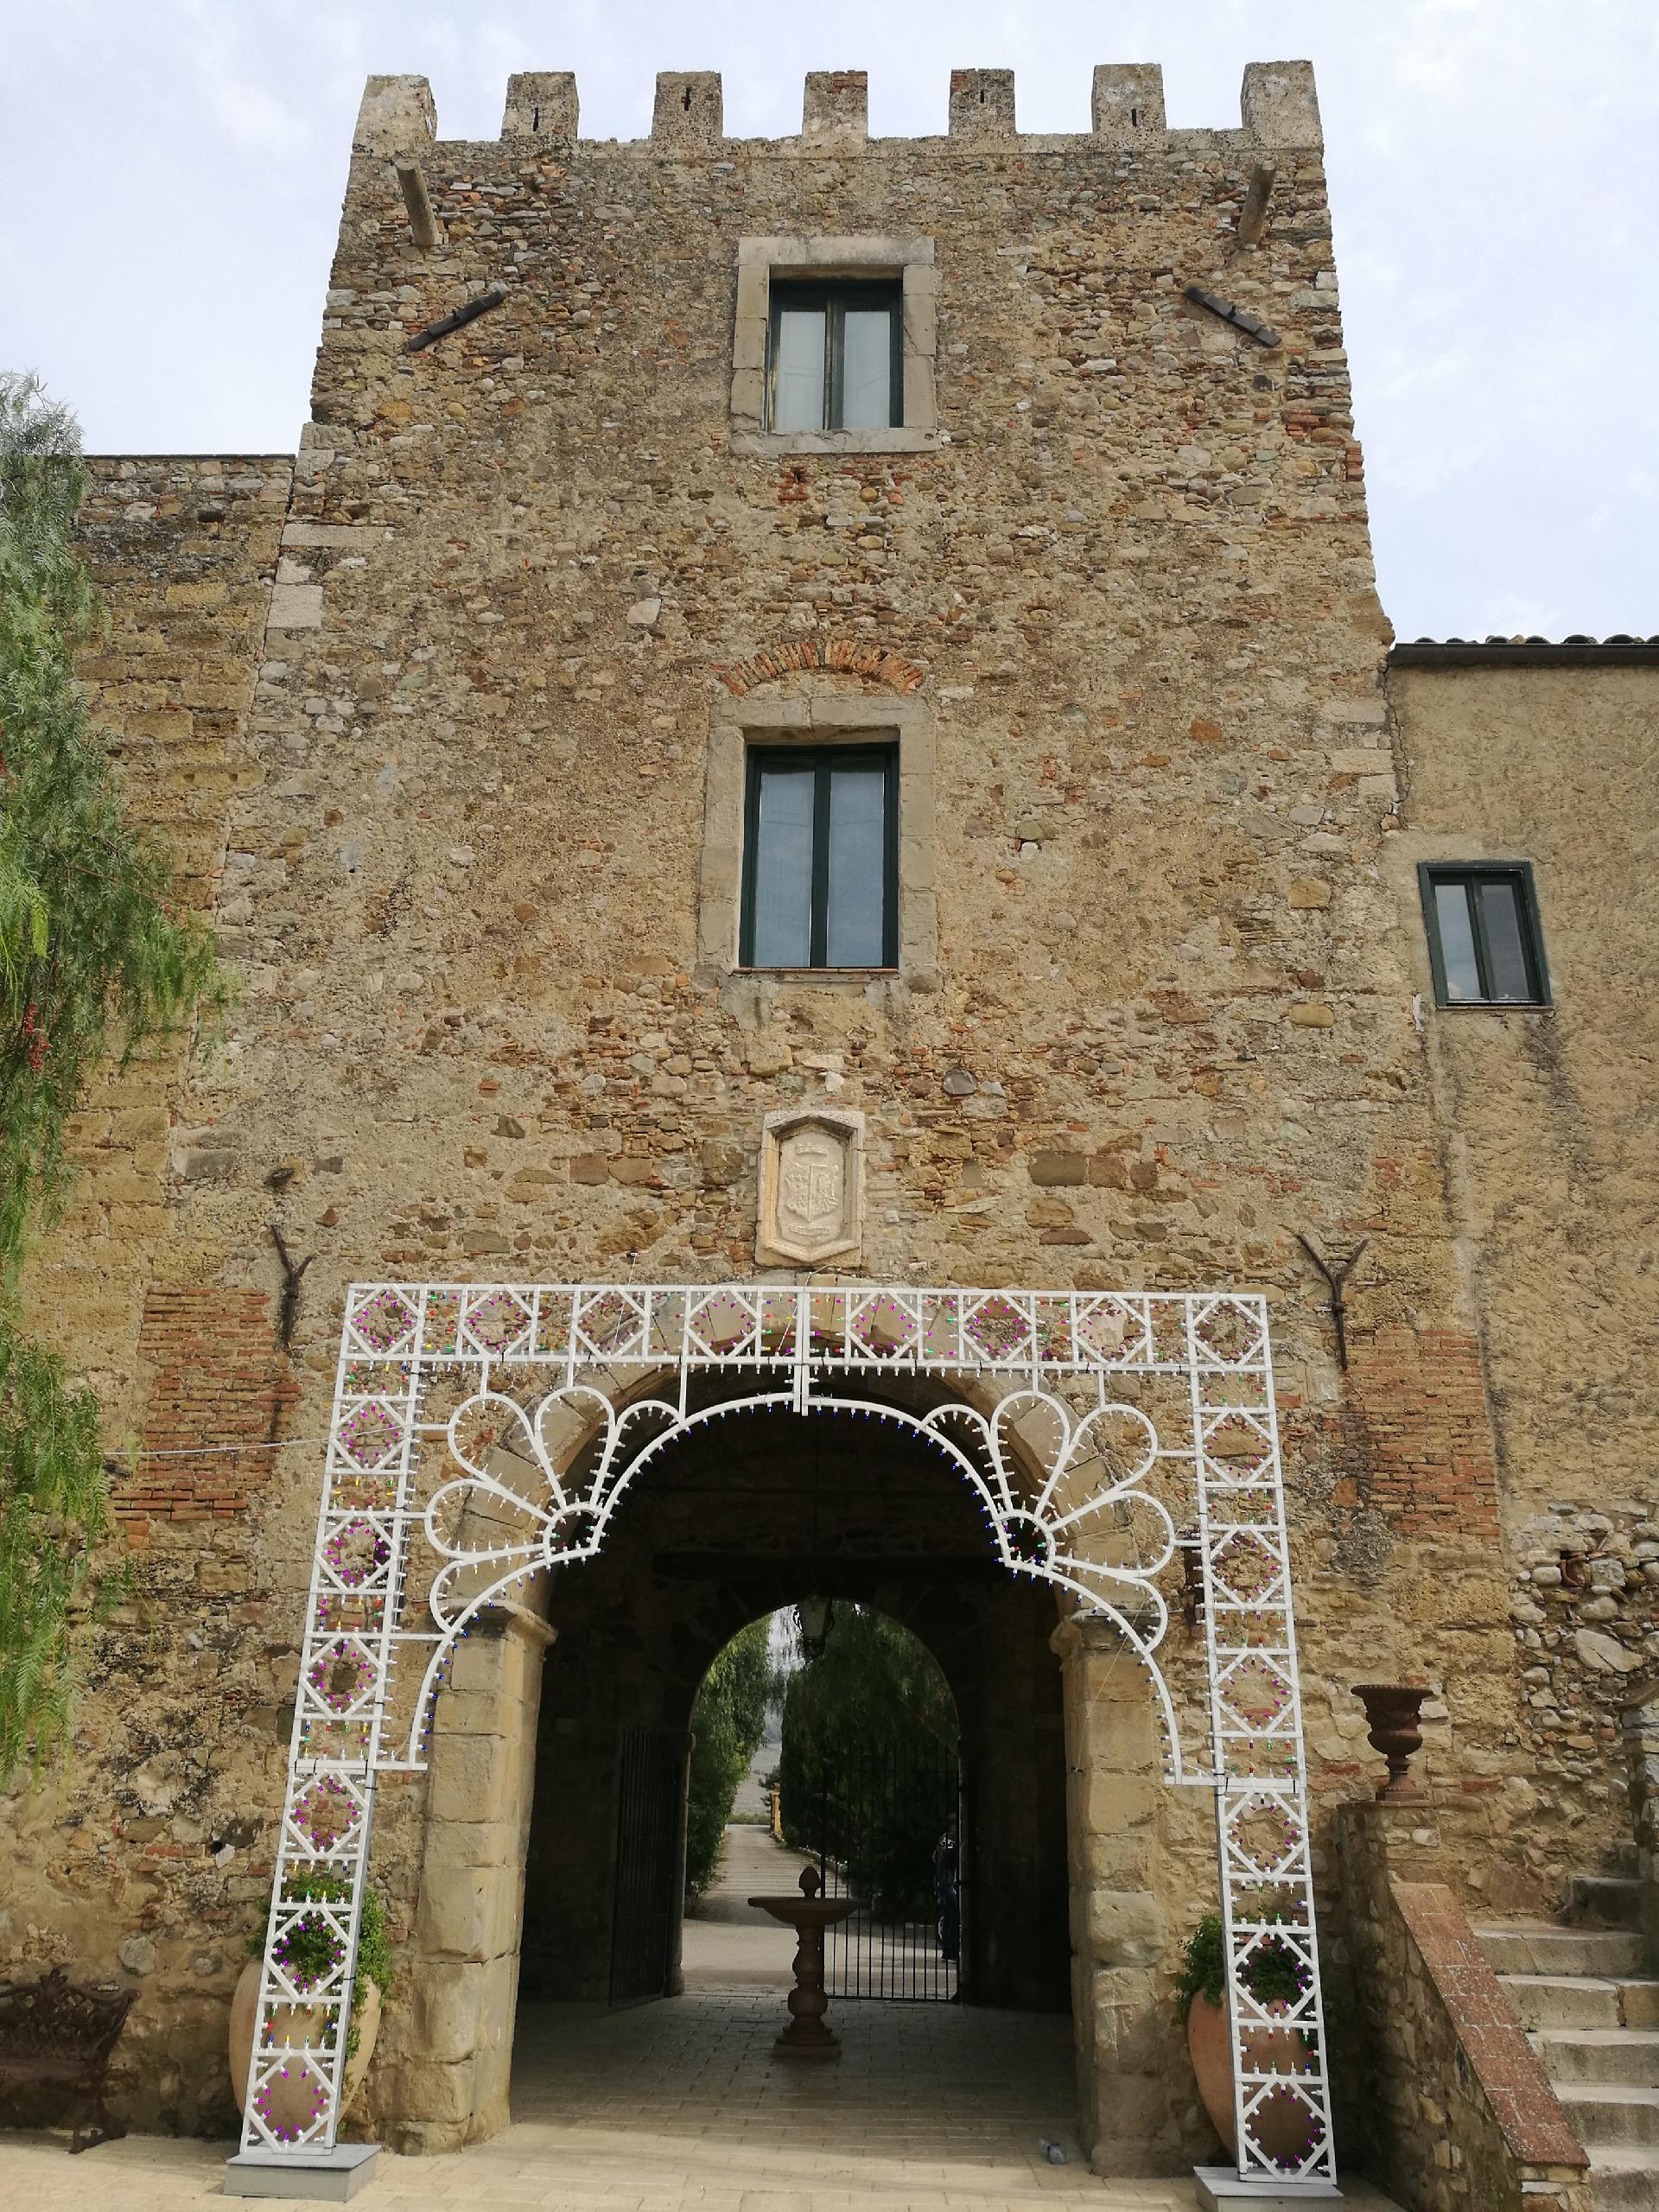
(289, 1311)
(1336, 1278)
(463, 315)
(1262, 334)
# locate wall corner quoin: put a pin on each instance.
(397, 115)
(1280, 105)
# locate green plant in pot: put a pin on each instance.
(311, 1950)
(1275, 1976)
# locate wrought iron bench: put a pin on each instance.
(50, 2031)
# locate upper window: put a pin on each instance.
(1484, 945)
(821, 857)
(834, 358)
(834, 342)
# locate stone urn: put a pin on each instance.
(1280, 2125)
(1394, 1710)
(292, 2105)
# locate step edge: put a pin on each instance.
(1604, 2038)
(1580, 1980)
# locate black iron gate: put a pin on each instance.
(888, 1829)
(647, 1863)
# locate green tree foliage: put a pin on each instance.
(95, 964)
(730, 1722)
(873, 1703)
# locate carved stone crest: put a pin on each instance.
(811, 1188)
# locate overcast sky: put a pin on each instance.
(171, 173)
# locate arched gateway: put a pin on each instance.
(1122, 1447)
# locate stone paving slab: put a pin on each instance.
(679, 2108)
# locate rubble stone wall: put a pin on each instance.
(1459, 2111)
(1547, 1122)
(184, 549)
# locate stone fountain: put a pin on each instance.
(809, 1915)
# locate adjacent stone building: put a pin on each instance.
(460, 719)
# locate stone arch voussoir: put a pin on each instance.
(841, 655)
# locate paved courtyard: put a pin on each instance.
(678, 2107)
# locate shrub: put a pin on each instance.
(1273, 1974)
(313, 1949)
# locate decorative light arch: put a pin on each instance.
(483, 1436)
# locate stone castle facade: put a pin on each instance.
(448, 716)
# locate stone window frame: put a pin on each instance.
(908, 259)
(906, 723)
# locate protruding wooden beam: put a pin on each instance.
(1253, 215)
(424, 224)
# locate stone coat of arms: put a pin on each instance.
(810, 1188)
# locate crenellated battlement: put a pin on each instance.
(1278, 107)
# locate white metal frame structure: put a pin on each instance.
(483, 1436)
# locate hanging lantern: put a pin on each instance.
(812, 1617)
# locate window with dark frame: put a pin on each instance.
(834, 358)
(1484, 945)
(821, 857)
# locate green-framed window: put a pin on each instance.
(1484, 945)
(821, 857)
(834, 356)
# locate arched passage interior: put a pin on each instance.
(738, 1518)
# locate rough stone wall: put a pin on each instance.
(1171, 1022)
(1547, 1121)
(148, 1855)
(442, 2078)
(184, 549)
(1136, 1849)
(1586, 1611)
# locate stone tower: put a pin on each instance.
(557, 569)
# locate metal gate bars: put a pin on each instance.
(884, 1821)
(482, 1435)
(649, 1786)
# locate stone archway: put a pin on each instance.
(483, 1439)
(737, 1522)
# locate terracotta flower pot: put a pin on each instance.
(1280, 2126)
(292, 2108)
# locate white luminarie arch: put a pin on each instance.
(483, 1435)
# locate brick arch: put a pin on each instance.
(843, 655)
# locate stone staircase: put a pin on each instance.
(1591, 2013)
